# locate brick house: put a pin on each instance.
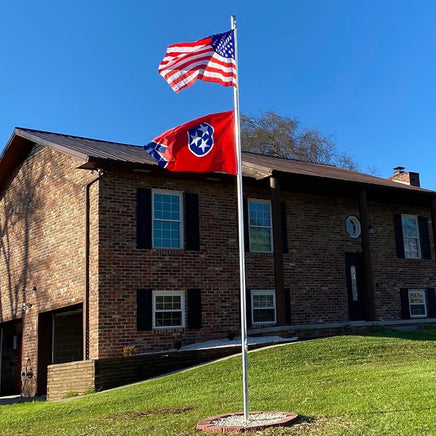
(101, 249)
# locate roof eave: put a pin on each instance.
(38, 140)
(353, 185)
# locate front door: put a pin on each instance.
(10, 357)
(355, 287)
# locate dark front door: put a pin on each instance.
(355, 287)
(10, 357)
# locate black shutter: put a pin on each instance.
(399, 242)
(144, 313)
(431, 303)
(246, 229)
(283, 222)
(143, 218)
(248, 306)
(194, 309)
(404, 295)
(192, 222)
(424, 237)
(288, 306)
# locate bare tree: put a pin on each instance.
(274, 135)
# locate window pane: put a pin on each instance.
(168, 319)
(166, 234)
(168, 302)
(410, 226)
(411, 247)
(263, 315)
(416, 297)
(263, 301)
(260, 214)
(417, 309)
(260, 239)
(166, 206)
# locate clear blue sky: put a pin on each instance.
(362, 71)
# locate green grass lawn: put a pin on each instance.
(381, 384)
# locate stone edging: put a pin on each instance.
(208, 424)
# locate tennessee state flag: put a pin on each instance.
(204, 145)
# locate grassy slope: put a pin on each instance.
(352, 385)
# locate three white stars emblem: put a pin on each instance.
(200, 139)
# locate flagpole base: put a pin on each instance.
(235, 422)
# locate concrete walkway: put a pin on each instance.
(13, 399)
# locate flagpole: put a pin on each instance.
(241, 228)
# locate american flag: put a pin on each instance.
(211, 59)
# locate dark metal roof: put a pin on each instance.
(321, 171)
(95, 152)
(88, 149)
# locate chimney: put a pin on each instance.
(405, 177)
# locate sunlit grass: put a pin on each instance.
(382, 384)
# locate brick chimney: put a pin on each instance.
(405, 177)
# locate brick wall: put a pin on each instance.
(42, 259)
(69, 378)
(315, 265)
(390, 272)
(125, 268)
(314, 268)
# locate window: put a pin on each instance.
(167, 219)
(352, 225)
(412, 247)
(412, 239)
(417, 303)
(260, 228)
(168, 309)
(263, 307)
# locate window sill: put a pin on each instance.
(168, 330)
(260, 325)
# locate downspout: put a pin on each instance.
(278, 251)
(367, 259)
(87, 260)
(53, 326)
(1, 357)
(433, 220)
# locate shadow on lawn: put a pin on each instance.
(14, 399)
(302, 419)
(414, 333)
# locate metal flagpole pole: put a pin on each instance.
(241, 228)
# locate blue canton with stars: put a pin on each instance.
(156, 151)
(223, 44)
(200, 139)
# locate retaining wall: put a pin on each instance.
(107, 373)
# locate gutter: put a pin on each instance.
(87, 267)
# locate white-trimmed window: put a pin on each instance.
(167, 219)
(260, 226)
(263, 307)
(168, 309)
(412, 246)
(417, 303)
